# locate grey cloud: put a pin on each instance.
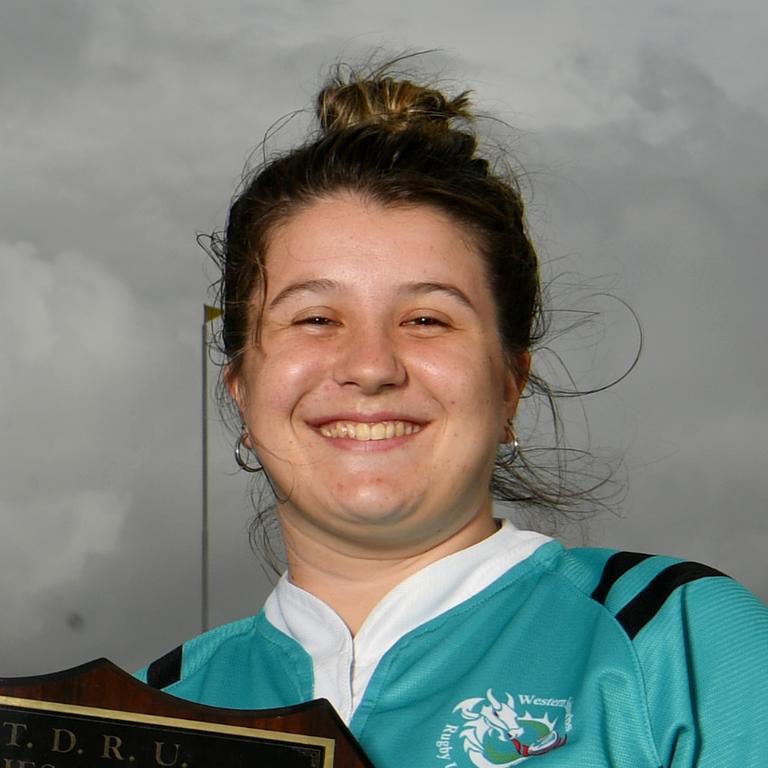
(125, 135)
(652, 197)
(80, 378)
(42, 49)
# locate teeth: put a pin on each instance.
(362, 431)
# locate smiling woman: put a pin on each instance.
(376, 319)
(380, 298)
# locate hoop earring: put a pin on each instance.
(511, 439)
(243, 462)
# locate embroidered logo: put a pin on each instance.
(502, 731)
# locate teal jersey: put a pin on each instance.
(582, 657)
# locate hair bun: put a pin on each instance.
(397, 104)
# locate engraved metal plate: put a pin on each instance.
(41, 734)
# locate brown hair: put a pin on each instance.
(397, 142)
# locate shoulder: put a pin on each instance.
(638, 588)
(247, 663)
(700, 641)
(194, 654)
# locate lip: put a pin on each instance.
(366, 418)
(372, 445)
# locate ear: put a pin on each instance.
(234, 386)
(515, 381)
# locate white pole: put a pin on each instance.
(204, 543)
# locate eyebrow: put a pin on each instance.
(305, 286)
(422, 289)
(323, 285)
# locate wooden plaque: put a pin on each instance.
(98, 715)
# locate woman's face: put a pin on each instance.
(378, 391)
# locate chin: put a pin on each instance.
(374, 511)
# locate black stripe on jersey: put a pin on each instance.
(615, 567)
(646, 604)
(165, 670)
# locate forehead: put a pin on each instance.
(348, 235)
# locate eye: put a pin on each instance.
(427, 321)
(427, 325)
(314, 320)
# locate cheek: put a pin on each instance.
(279, 380)
(465, 380)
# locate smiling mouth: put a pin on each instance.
(362, 431)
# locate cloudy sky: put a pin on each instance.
(124, 125)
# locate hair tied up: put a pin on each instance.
(397, 104)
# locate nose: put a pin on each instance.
(368, 358)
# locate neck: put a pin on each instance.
(354, 582)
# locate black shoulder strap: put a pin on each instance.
(615, 567)
(166, 670)
(647, 603)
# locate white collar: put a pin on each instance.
(343, 665)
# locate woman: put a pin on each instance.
(379, 295)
